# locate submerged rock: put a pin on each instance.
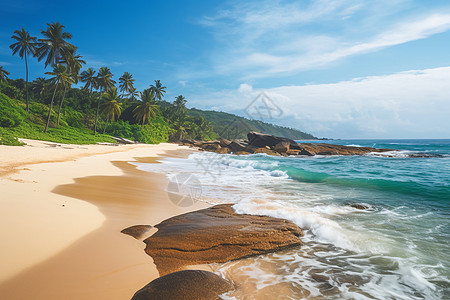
(217, 234)
(188, 284)
(360, 206)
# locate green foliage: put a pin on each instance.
(10, 90)
(12, 114)
(62, 134)
(7, 138)
(73, 118)
(231, 126)
(156, 132)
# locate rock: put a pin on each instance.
(236, 146)
(282, 147)
(261, 140)
(187, 142)
(242, 153)
(216, 235)
(224, 142)
(137, 231)
(359, 206)
(188, 284)
(266, 151)
(223, 150)
(211, 146)
(330, 149)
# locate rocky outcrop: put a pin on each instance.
(273, 145)
(261, 140)
(188, 284)
(217, 234)
(330, 149)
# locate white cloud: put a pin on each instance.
(245, 88)
(263, 39)
(412, 104)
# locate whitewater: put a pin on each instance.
(396, 248)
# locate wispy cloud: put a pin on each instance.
(401, 105)
(262, 39)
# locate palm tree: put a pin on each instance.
(54, 46)
(147, 109)
(39, 86)
(105, 83)
(3, 74)
(89, 79)
(158, 89)
(133, 94)
(180, 111)
(126, 82)
(112, 108)
(74, 63)
(60, 77)
(25, 45)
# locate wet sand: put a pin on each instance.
(59, 246)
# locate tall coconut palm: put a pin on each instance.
(90, 80)
(147, 109)
(159, 90)
(133, 94)
(40, 86)
(60, 77)
(105, 83)
(74, 63)
(3, 74)
(54, 46)
(180, 111)
(112, 108)
(25, 45)
(126, 82)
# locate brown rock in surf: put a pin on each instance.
(137, 231)
(188, 284)
(217, 234)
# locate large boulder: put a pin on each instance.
(282, 147)
(223, 150)
(137, 231)
(261, 140)
(237, 146)
(216, 235)
(211, 146)
(188, 284)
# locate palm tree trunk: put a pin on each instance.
(106, 125)
(26, 82)
(96, 116)
(50, 109)
(61, 103)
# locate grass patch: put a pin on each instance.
(66, 134)
(7, 138)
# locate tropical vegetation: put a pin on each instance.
(90, 101)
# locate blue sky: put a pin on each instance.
(336, 68)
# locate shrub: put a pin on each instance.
(11, 112)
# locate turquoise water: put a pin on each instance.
(398, 248)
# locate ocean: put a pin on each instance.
(396, 248)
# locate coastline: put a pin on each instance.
(57, 244)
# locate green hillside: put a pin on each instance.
(230, 126)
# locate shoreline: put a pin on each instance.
(76, 247)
